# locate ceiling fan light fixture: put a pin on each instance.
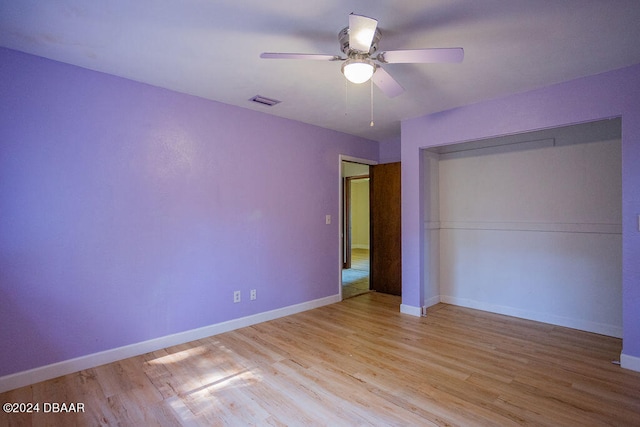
(358, 70)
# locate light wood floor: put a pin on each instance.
(359, 362)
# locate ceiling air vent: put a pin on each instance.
(265, 101)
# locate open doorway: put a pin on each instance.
(355, 274)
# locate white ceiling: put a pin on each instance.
(211, 48)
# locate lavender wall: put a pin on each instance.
(390, 150)
(130, 212)
(611, 94)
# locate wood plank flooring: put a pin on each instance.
(358, 362)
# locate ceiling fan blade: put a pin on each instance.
(422, 56)
(361, 32)
(312, 56)
(387, 84)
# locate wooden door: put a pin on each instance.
(386, 249)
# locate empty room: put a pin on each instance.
(172, 213)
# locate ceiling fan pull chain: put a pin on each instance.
(371, 124)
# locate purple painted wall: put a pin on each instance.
(611, 94)
(130, 212)
(390, 151)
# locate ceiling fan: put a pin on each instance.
(359, 42)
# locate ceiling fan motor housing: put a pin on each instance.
(343, 38)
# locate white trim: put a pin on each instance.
(412, 310)
(432, 225)
(630, 362)
(559, 227)
(47, 372)
(432, 301)
(583, 325)
(347, 158)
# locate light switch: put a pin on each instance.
(327, 219)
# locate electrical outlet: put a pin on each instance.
(253, 294)
(236, 296)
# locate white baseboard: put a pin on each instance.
(431, 301)
(47, 372)
(630, 362)
(583, 325)
(412, 310)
